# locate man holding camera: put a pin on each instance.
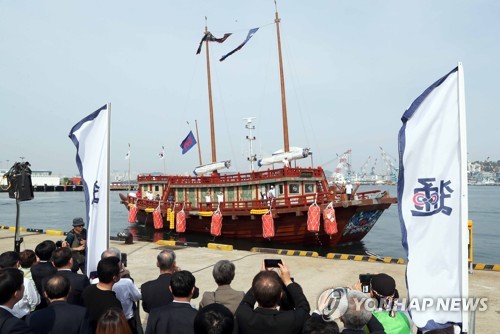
(267, 291)
(76, 239)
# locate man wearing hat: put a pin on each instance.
(76, 240)
(383, 289)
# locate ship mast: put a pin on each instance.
(212, 126)
(282, 81)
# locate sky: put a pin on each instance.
(351, 69)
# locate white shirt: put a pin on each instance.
(220, 197)
(127, 293)
(30, 300)
(348, 188)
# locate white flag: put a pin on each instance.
(127, 155)
(432, 197)
(91, 138)
(161, 155)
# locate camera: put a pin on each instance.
(272, 263)
(59, 243)
(365, 279)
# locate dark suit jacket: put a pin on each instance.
(60, 317)
(224, 295)
(157, 293)
(39, 271)
(174, 318)
(9, 324)
(78, 283)
(260, 320)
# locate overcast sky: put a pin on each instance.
(351, 69)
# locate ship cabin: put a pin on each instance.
(234, 193)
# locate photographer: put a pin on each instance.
(267, 291)
(383, 289)
(76, 240)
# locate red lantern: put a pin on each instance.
(132, 214)
(157, 219)
(330, 220)
(216, 225)
(313, 217)
(268, 225)
(180, 225)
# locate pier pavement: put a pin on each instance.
(314, 274)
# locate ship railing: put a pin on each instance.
(233, 178)
(244, 205)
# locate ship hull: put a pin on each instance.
(354, 220)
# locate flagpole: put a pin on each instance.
(164, 165)
(129, 186)
(198, 140)
(463, 195)
(108, 175)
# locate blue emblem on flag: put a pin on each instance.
(188, 142)
(429, 199)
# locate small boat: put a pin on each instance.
(286, 204)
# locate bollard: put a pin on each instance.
(127, 236)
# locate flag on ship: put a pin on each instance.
(161, 155)
(211, 38)
(433, 204)
(91, 138)
(251, 32)
(188, 142)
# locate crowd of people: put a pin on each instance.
(41, 291)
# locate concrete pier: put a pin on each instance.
(314, 274)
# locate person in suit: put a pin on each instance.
(214, 319)
(156, 293)
(223, 274)
(31, 298)
(11, 292)
(178, 316)
(98, 298)
(267, 291)
(43, 268)
(62, 259)
(59, 316)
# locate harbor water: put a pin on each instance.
(55, 210)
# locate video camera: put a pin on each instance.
(19, 181)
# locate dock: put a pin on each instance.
(313, 273)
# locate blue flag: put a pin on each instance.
(188, 142)
(250, 34)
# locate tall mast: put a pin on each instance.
(212, 127)
(282, 81)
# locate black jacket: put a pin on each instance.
(265, 321)
(60, 317)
